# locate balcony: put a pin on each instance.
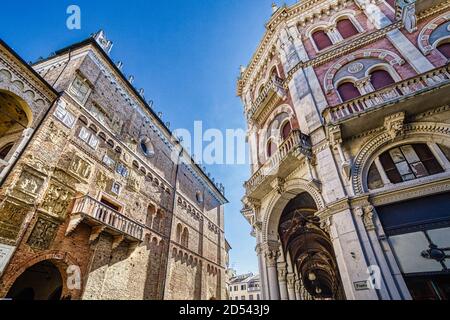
(289, 156)
(104, 219)
(430, 90)
(273, 93)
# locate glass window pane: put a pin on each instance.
(84, 134)
(409, 177)
(445, 150)
(419, 169)
(93, 141)
(408, 248)
(441, 238)
(403, 168)
(374, 179)
(409, 153)
(396, 155)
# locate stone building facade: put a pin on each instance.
(349, 133)
(98, 200)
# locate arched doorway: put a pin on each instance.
(15, 117)
(310, 249)
(42, 281)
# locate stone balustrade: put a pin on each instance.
(398, 91)
(273, 87)
(112, 220)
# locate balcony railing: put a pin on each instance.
(296, 141)
(393, 93)
(100, 214)
(273, 87)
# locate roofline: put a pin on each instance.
(92, 41)
(29, 67)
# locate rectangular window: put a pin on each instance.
(243, 287)
(122, 170)
(236, 288)
(88, 137)
(116, 187)
(79, 90)
(243, 298)
(108, 161)
(250, 297)
(66, 117)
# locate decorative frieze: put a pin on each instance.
(43, 233)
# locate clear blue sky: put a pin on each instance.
(186, 54)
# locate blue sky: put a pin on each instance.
(186, 54)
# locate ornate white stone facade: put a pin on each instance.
(348, 129)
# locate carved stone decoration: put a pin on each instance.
(55, 135)
(272, 253)
(408, 14)
(57, 200)
(27, 187)
(133, 183)
(80, 168)
(43, 234)
(394, 124)
(11, 219)
(325, 225)
(290, 279)
(102, 180)
(278, 185)
(355, 67)
(366, 214)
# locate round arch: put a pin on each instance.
(278, 202)
(424, 36)
(62, 262)
(413, 132)
(385, 55)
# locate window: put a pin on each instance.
(444, 48)
(374, 178)
(199, 197)
(66, 117)
(236, 288)
(147, 147)
(99, 115)
(346, 28)
(348, 91)
(243, 298)
(236, 298)
(391, 3)
(5, 151)
(321, 40)
(122, 170)
(88, 137)
(446, 151)
(381, 79)
(108, 161)
(258, 297)
(116, 187)
(250, 297)
(271, 148)
(243, 287)
(286, 130)
(409, 162)
(79, 90)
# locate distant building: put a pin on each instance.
(245, 287)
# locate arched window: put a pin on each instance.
(321, 39)
(271, 148)
(444, 48)
(381, 79)
(391, 3)
(409, 162)
(5, 151)
(179, 231)
(346, 28)
(348, 91)
(286, 130)
(185, 238)
(151, 210)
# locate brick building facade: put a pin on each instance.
(98, 200)
(349, 132)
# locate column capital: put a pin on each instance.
(291, 279)
(282, 271)
(367, 214)
(272, 252)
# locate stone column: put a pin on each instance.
(282, 273)
(26, 135)
(271, 253)
(263, 273)
(298, 288)
(291, 286)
